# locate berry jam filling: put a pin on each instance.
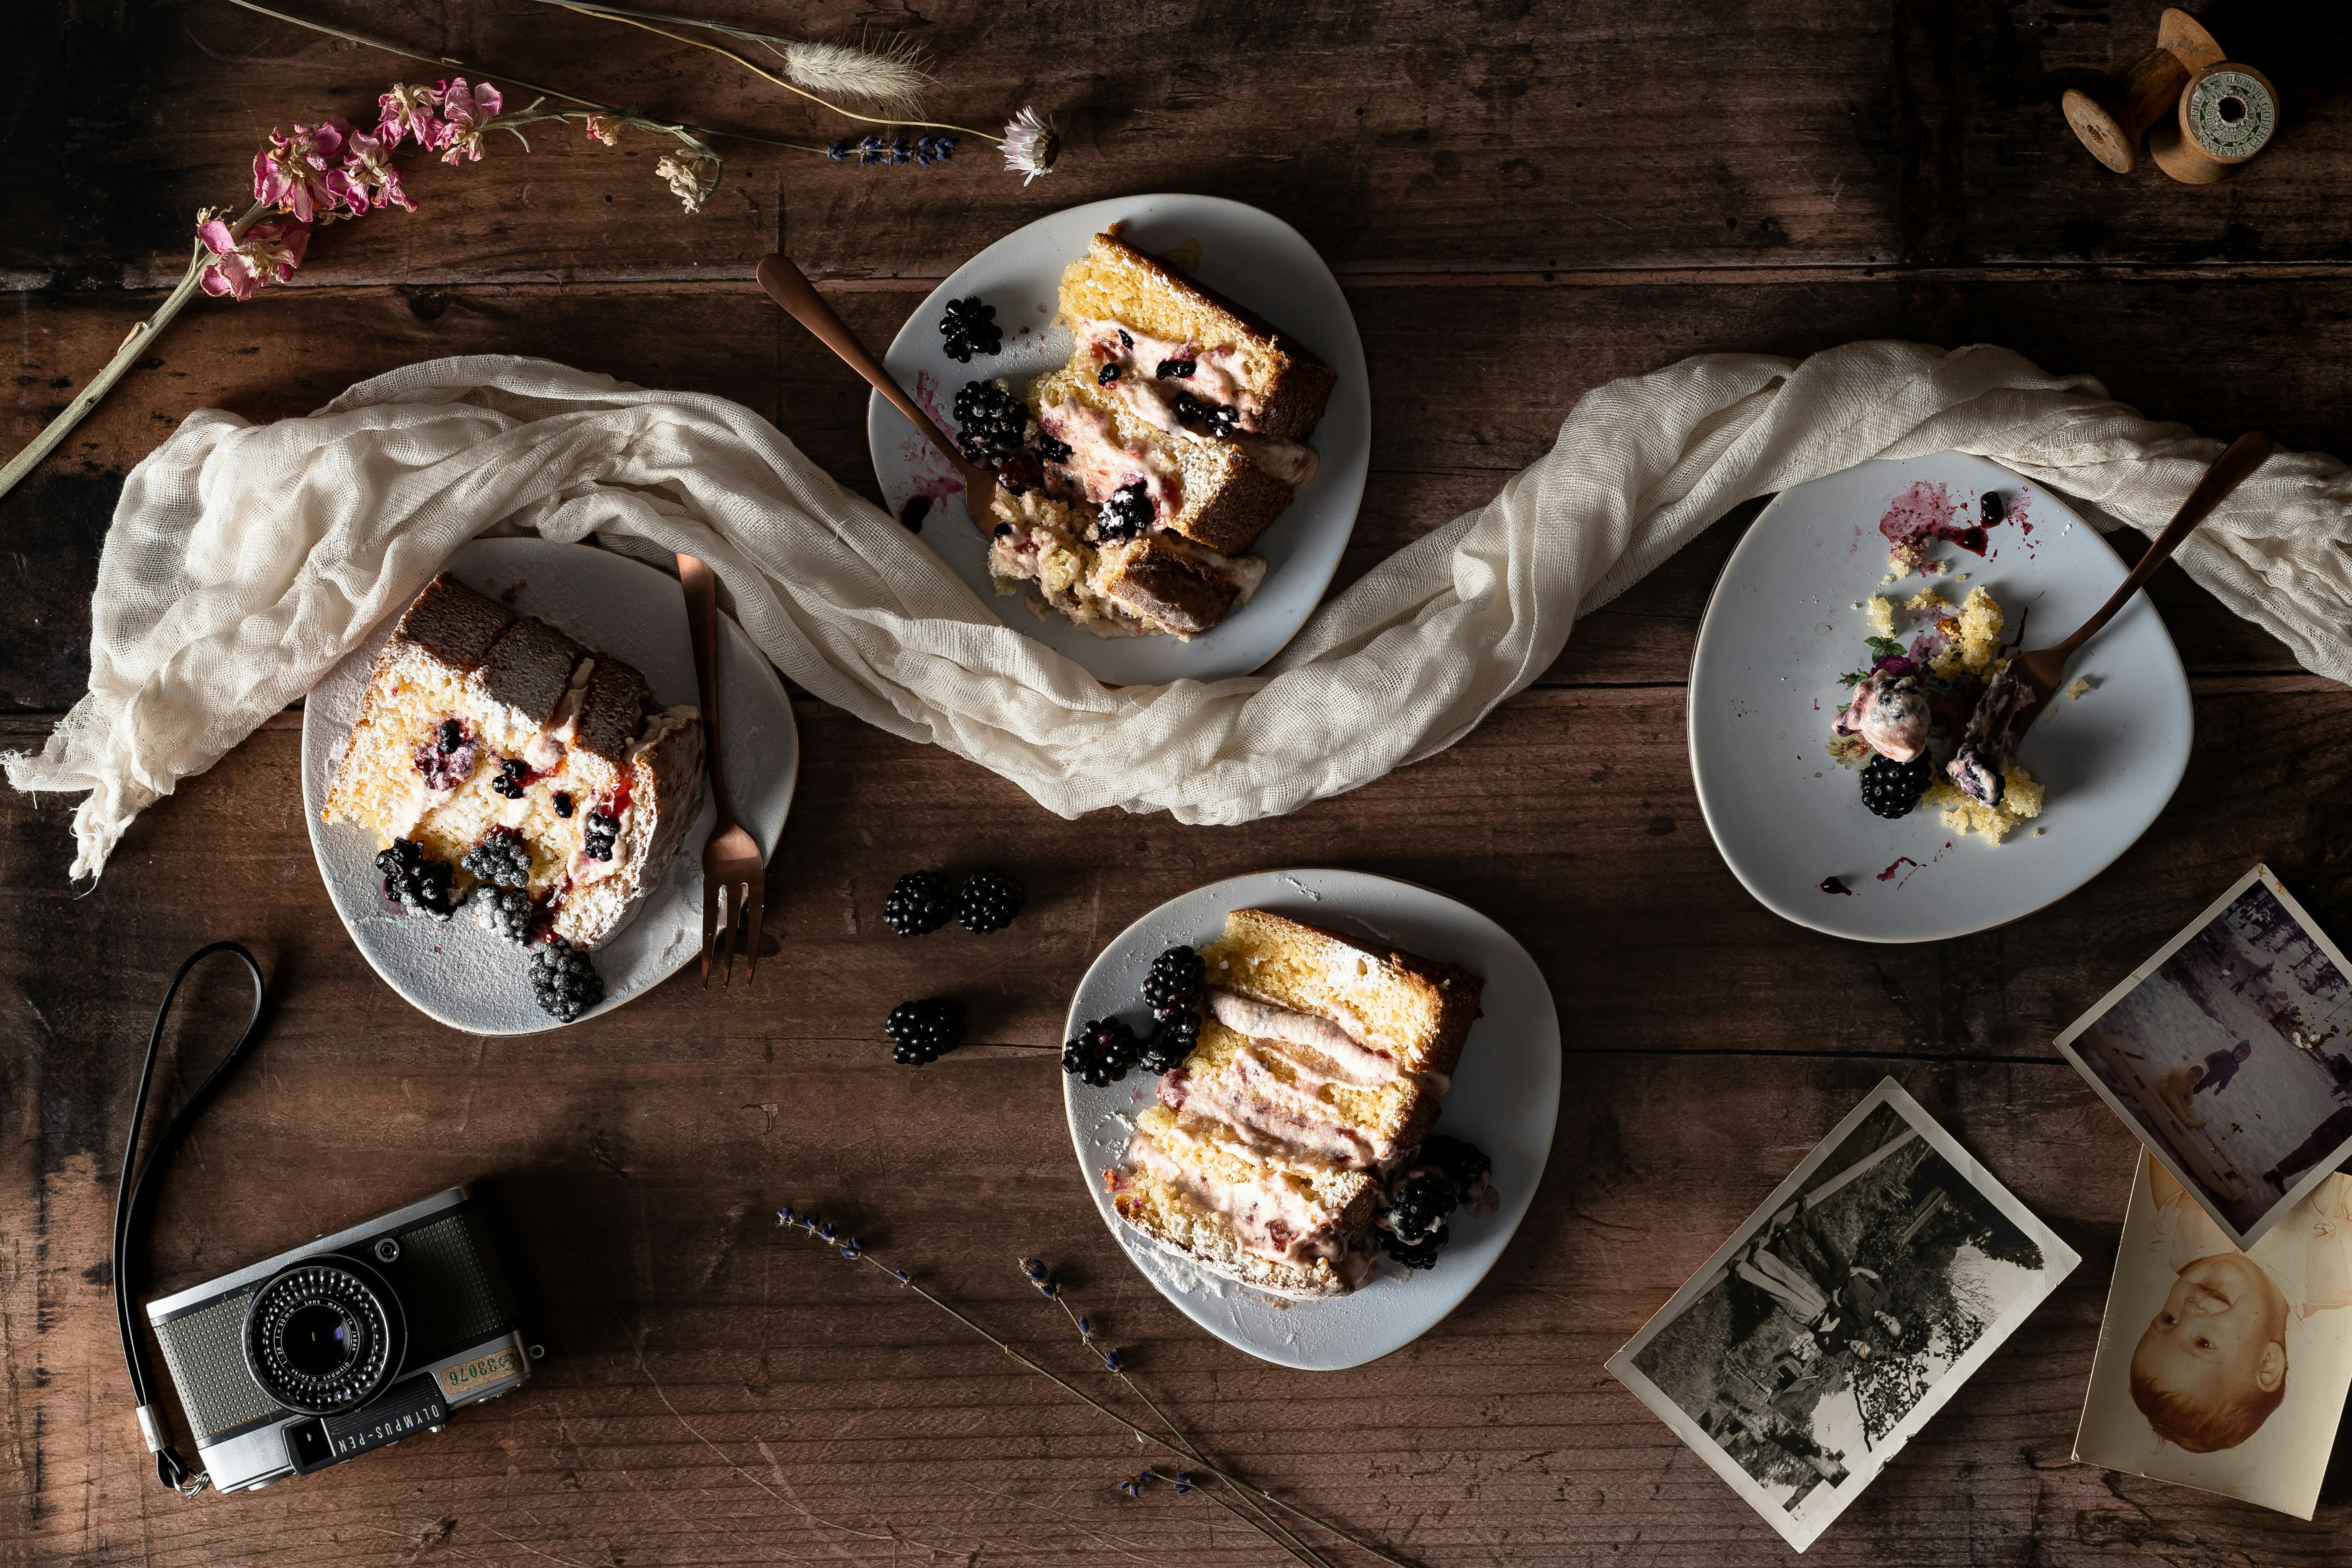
(1219, 419)
(446, 760)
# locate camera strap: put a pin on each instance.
(131, 1201)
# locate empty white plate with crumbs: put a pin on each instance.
(470, 978)
(1253, 258)
(1505, 1098)
(1764, 690)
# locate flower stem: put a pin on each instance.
(362, 39)
(134, 346)
(629, 19)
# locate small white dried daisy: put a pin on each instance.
(1032, 143)
(691, 178)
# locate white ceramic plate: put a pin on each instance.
(1249, 256)
(1505, 1098)
(467, 977)
(1764, 690)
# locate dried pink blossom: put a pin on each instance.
(300, 174)
(371, 179)
(1031, 142)
(269, 253)
(408, 110)
(604, 128)
(464, 111)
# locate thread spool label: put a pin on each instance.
(2231, 115)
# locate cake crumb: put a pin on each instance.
(1927, 601)
(1975, 636)
(1880, 612)
(2037, 833)
(2081, 684)
(2020, 801)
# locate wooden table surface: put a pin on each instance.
(1522, 201)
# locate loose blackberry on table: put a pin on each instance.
(922, 1032)
(1101, 1053)
(987, 901)
(970, 327)
(415, 879)
(502, 858)
(990, 423)
(562, 980)
(1891, 788)
(1174, 982)
(920, 902)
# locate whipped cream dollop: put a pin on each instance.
(1890, 712)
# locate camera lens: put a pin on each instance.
(325, 1335)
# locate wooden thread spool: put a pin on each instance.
(2227, 115)
(2112, 125)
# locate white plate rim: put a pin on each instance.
(1274, 615)
(2175, 692)
(317, 748)
(1535, 1042)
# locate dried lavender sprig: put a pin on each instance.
(1114, 1362)
(812, 1225)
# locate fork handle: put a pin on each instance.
(2229, 470)
(701, 585)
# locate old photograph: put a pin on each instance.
(1878, 1278)
(2222, 1369)
(2228, 1054)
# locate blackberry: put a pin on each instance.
(601, 833)
(562, 804)
(1177, 369)
(1994, 511)
(920, 902)
(1421, 1197)
(447, 763)
(451, 736)
(1891, 788)
(502, 858)
(1217, 418)
(562, 980)
(1124, 341)
(989, 422)
(1053, 451)
(970, 327)
(923, 1032)
(1174, 982)
(988, 901)
(1170, 1043)
(415, 879)
(1422, 1254)
(1464, 1164)
(513, 773)
(1127, 514)
(508, 912)
(1108, 373)
(1102, 1052)
(911, 515)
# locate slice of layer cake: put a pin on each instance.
(1320, 1068)
(480, 725)
(1179, 421)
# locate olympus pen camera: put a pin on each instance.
(360, 1339)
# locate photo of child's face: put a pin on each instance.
(2218, 1342)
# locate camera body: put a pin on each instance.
(351, 1344)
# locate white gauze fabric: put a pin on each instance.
(245, 560)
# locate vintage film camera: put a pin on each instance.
(360, 1339)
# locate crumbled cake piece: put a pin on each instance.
(1879, 611)
(1973, 638)
(1927, 600)
(2081, 684)
(2020, 801)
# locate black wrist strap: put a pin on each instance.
(130, 1202)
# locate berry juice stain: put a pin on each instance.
(1832, 885)
(1926, 508)
(1900, 861)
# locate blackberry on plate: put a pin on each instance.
(1891, 788)
(1170, 1043)
(1126, 514)
(970, 327)
(988, 901)
(1102, 1052)
(603, 832)
(1993, 507)
(562, 980)
(1465, 1164)
(1422, 1254)
(513, 773)
(989, 422)
(1052, 450)
(920, 902)
(1174, 982)
(415, 879)
(923, 1032)
(1421, 1197)
(502, 858)
(508, 912)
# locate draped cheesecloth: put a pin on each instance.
(245, 560)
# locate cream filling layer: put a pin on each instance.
(1152, 397)
(1268, 1215)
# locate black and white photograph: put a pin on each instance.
(1866, 1289)
(2221, 1369)
(2228, 1054)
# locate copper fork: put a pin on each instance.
(734, 873)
